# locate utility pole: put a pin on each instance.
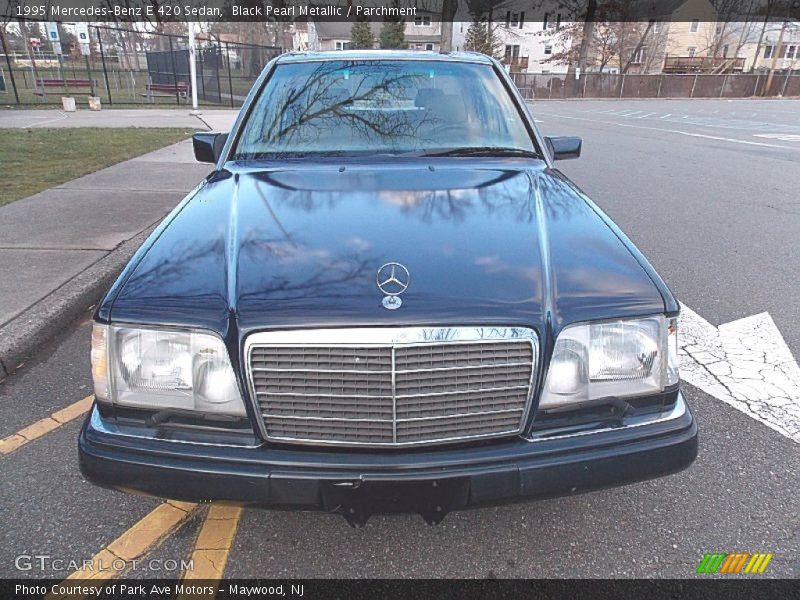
(790, 6)
(776, 52)
(192, 69)
(448, 13)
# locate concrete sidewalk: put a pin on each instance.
(61, 248)
(117, 117)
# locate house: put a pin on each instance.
(649, 37)
(528, 37)
(759, 57)
(654, 37)
(697, 43)
(422, 32)
(333, 35)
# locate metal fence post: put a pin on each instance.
(230, 79)
(202, 74)
(105, 71)
(89, 75)
(174, 72)
(755, 87)
(694, 83)
(660, 83)
(622, 85)
(722, 89)
(8, 62)
(217, 69)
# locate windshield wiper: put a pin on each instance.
(484, 151)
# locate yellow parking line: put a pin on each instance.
(137, 541)
(42, 426)
(211, 550)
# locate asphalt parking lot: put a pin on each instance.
(708, 190)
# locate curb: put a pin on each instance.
(28, 331)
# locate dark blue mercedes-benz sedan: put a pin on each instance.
(385, 297)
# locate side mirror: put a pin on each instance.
(564, 147)
(208, 146)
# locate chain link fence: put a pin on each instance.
(611, 85)
(127, 67)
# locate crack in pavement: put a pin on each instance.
(746, 364)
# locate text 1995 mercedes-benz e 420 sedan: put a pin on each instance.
(385, 297)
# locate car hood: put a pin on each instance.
(299, 245)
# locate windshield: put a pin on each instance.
(382, 106)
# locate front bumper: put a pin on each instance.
(357, 484)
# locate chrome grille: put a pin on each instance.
(391, 386)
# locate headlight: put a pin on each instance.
(613, 359)
(158, 369)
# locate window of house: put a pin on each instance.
(512, 52)
(513, 19)
(692, 51)
(768, 51)
(422, 21)
(548, 21)
(640, 55)
(695, 25)
(428, 46)
(790, 51)
(548, 49)
(342, 45)
(725, 51)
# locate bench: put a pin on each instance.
(167, 90)
(63, 83)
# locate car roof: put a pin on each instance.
(471, 57)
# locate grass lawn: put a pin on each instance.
(33, 160)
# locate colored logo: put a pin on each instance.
(736, 563)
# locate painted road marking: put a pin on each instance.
(687, 133)
(727, 122)
(746, 364)
(784, 137)
(114, 560)
(211, 550)
(46, 425)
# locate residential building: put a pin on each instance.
(759, 58)
(423, 32)
(528, 38)
(697, 43)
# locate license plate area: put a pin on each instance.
(357, 500)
